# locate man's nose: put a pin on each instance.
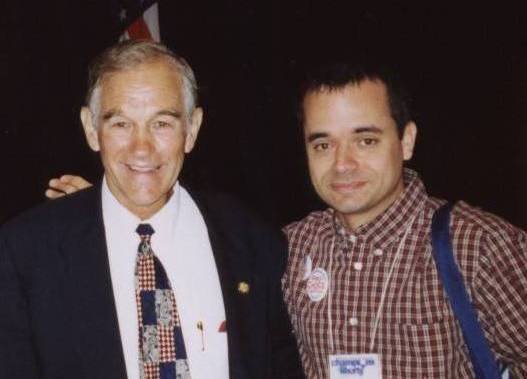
(345, 159)
(142, 141)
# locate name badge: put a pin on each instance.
(353, 366)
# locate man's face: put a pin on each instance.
(355, 155)
(142, 131)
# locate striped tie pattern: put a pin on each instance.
(162, 352)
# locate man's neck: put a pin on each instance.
(354, 220)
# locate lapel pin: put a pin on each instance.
(243, 288)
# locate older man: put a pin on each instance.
(137, 277)
(361, 284)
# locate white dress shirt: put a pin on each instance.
(182, 245)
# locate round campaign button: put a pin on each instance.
(317, 284)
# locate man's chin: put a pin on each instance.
(348, 205)
(141, 205)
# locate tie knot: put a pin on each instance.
(145, 230)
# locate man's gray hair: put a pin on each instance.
(129, 54)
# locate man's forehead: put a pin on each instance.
(366, 88)
(142, 83)
(362, 97)
(355, 108)
(143, 70)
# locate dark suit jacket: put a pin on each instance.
(57, 311)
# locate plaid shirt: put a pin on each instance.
(417, 334)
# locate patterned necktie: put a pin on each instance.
(162, 352)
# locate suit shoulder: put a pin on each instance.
(229, 219)
(54, 213)
(228, 209)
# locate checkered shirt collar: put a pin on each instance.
(390, 225)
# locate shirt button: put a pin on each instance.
(357, 266)
(377, 252)
(352, 239)
(354, 321)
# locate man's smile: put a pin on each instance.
(348, 186)
(141, 168)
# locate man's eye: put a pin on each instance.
(161, 124)
(321, 146)
(368, 141)
(120, 124)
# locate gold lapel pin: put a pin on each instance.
(243, 288)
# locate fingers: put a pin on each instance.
(63, 186)
(77, 182)
(52, 194)
(66, 184)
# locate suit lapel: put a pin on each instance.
(90, 295)
(233, 270)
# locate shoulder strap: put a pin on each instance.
(482, 357)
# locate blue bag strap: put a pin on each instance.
(482, 357)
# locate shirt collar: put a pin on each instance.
(391, 224)
(163, 221)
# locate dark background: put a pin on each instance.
(465, 66)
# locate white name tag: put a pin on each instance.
(348, 366)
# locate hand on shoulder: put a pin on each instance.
(65, 185)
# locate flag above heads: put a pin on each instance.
(139, 19)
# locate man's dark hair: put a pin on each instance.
(336, 76)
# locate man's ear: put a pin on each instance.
(192, 132)
(408, 140)
(90, 130)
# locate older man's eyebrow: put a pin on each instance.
(165, 112)
(314, 136)
(111, 113)
(171, 113)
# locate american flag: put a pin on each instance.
(139, 19)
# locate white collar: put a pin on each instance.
(163, 221)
